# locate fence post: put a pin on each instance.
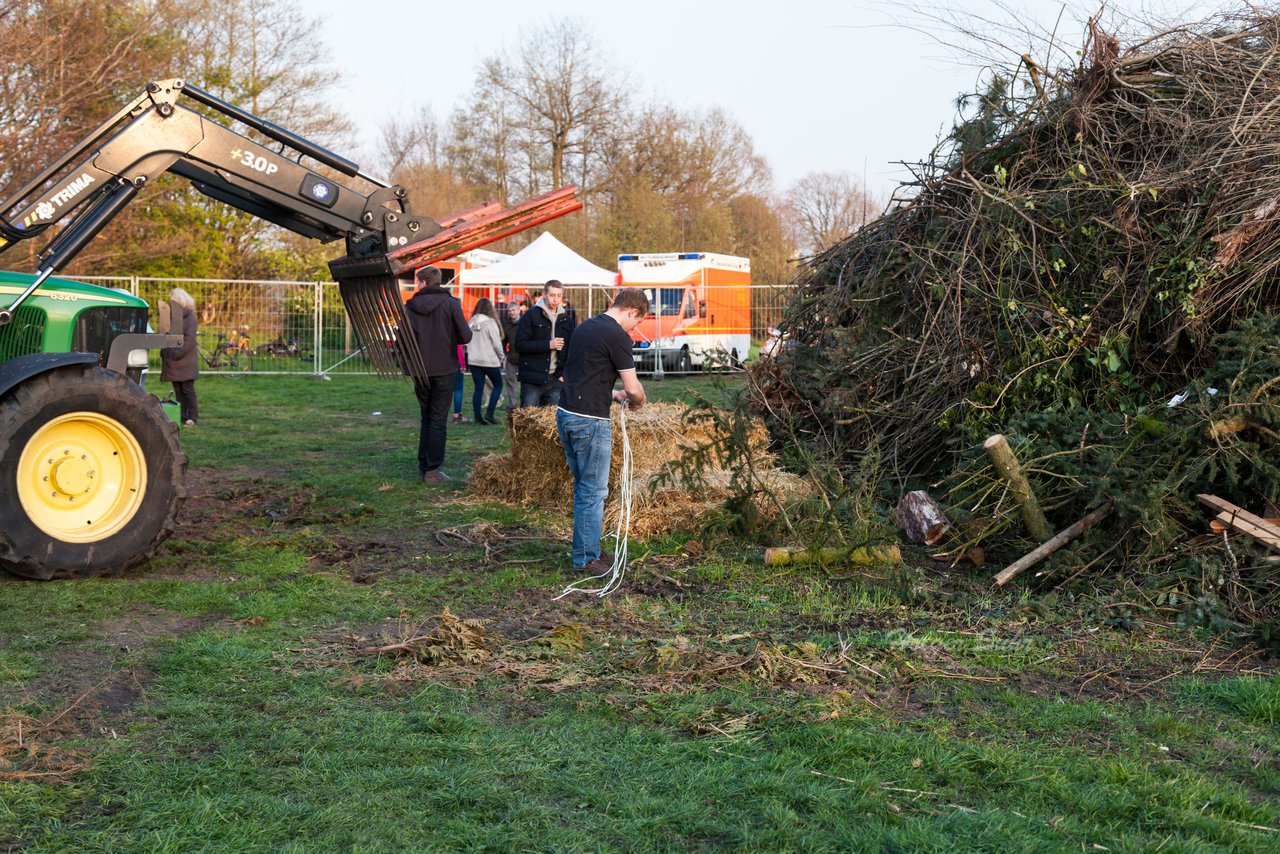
(317, 331)
(659, 370)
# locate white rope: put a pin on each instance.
(623, 532)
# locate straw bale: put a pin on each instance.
(536, 472)
(658, 510)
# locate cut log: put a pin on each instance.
(1050, 546)
(997, 448)
(1227, 426)
(1238, 519)
(865, 556)
(922, 518)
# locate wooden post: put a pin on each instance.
(1047, 548)
(997, 448)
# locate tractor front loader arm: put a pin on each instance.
(89, 184)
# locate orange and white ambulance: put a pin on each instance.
(700, 309)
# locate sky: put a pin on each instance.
(820, 85)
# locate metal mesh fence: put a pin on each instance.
(280, 327)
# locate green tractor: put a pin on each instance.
(91, 473)
(93, 469)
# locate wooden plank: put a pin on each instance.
(1218, 527)
(1239, 514)
(1268, 536)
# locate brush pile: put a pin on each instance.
(1075, 248)
(1067, 264)
(535, 471)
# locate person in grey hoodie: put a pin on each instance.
(439, 327)
(484, 358)
(181, 365)
(541, 338)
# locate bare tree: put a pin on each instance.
(687, 180)
(267, 56)
(411, 141)
(65, 65)
(828, 206)
(50, 94)
(541, 115)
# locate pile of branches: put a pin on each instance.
(1155, 551)
(1092, 242)
(1074, 247)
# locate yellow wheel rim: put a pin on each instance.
(82, 477)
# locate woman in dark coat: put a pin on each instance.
(181, 365)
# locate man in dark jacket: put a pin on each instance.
(541, 338)
(439, 327)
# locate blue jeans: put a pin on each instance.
(532, 394)
(588, 445)
(458, 386)
(478, 377)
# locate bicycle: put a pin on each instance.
(232, 356)
(282, 347)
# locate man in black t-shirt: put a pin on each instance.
(598, 355)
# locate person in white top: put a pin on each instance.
(484, 358)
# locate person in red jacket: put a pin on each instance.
(439, 327)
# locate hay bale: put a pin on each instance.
(536, 472)
(661, 509)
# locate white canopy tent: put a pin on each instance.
(542, 260)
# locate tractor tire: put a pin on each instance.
(93, 475)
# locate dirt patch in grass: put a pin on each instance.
(222, 500)
(369, 560)
(58, 744)
(97, 670)
(531, 647)
(626, 652)
(88, 693)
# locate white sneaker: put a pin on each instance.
(188, 423)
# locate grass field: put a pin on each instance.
(230, 694)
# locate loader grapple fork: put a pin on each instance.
(377, 313)
(370, 285)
